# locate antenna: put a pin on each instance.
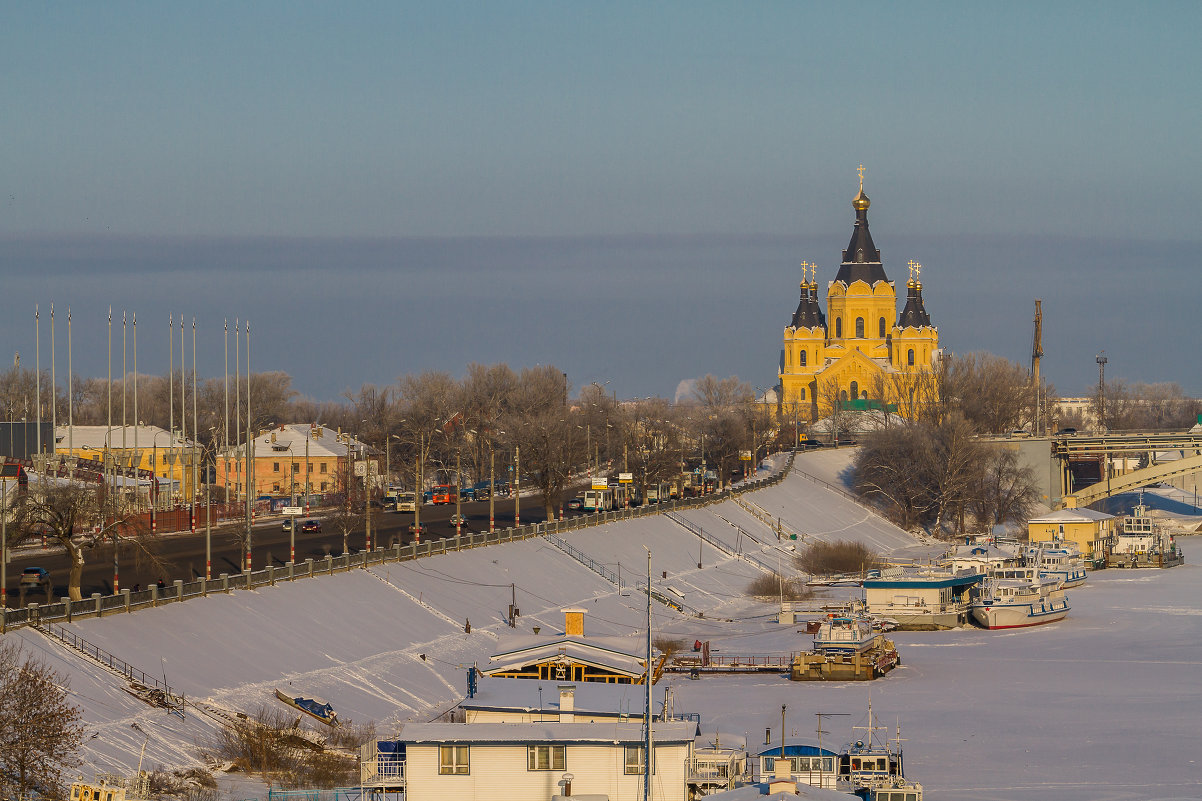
(821, 731)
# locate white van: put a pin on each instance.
(406, 502)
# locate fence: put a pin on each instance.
(126, 601)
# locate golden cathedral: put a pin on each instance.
(867, 356)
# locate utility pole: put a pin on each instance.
(517, 485)
(458, 491)
(492, 486)
(418, 493)
(1101, 360)
(367, 498)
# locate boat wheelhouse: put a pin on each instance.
(845, 634)
(1141, 543)
(874, 769)
(1010, 604)
(922, 600)
(808, 763)
(1058, 560)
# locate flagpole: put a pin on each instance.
(37, 351)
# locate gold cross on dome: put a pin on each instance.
(861, 171)
(917, 272)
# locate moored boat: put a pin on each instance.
(1058, 560)
(314, 707)
(1141, 543)
(1018, 603)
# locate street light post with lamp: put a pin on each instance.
(292, 504)
(458, 492)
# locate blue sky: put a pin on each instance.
(622, 189)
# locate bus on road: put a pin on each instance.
(444, 493)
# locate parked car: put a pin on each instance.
(35, 577)
(311, 526)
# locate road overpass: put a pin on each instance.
(1094, 467)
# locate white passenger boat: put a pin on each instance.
(1016, 603)
(845, 634)
(1058, 560)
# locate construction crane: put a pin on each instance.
(1036, 355)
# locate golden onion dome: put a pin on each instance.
(861, 201)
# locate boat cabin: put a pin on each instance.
(921, 600)
(808, 764)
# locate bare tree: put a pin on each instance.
(545, 429)
(79, 517)
(40, 731)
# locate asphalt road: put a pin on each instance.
(185, 552)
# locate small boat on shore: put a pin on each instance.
(314, 707)
(1017, 603)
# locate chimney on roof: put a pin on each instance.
(567, 703)
(1070, 501)
(573, 622)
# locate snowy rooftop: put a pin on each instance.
(589, 696)
(1071, 516)
(548, 732)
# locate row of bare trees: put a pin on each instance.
(943, 477)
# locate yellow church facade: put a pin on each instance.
(859, 352)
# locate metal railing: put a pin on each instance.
(126, 601)
(105, 658)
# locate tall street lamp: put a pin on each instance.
(292, 504)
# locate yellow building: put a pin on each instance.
(1091, 531)
(860, 349)
(118, 450)
(294, 459)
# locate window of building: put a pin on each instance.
(838, 327)
(803, 393)
(275, 487)
(324, 485)
(323, 467)
(910, 357)
(801, 358)
(295, 467)
(843, 395)
(453, 760)
(855, 389)
(881, 328)
(275, 467)
(859, 328)
(635, 760)
(308, 467)
(546, 757)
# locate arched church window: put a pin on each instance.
(863, 394)
(910, 357)
(859, 328)
(881, 333)
(803, 393)
(838, 328)
(801, 358)
(855, 389)
(843, 395)
(789, 358)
